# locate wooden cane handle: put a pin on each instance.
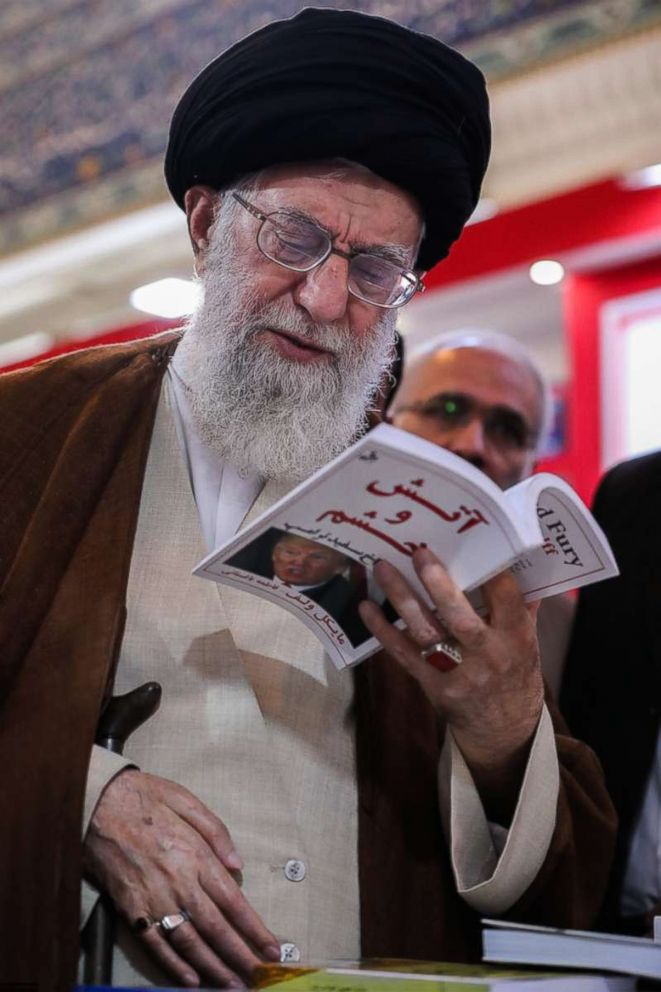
(124, 714)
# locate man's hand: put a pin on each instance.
(493, 699)
(156, 849)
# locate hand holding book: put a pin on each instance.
(492, 700)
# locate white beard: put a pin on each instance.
(265, 414)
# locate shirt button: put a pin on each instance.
(295, 870)
(289, 952)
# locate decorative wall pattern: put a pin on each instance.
(87, 87)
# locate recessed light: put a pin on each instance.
(167, 297)
(546, 272)
(643, 178)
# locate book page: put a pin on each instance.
(574, 551)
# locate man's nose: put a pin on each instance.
(324, 291)
(469, 440)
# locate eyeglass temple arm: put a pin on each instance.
(249, 207)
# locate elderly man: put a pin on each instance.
(323, 163)
(478, 394)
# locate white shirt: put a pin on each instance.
(642, 879)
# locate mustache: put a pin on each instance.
(334, 338)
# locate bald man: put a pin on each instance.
(478, 394)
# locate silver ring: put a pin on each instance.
(442, 647)
(173, 920)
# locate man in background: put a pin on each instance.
(611, 692)
(479, 394)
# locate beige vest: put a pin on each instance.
(254, 721)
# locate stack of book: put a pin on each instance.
(520, 943)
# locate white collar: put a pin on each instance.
(222, 495)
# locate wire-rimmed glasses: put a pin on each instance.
(297, 243)
(505, 427)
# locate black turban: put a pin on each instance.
(339, 84)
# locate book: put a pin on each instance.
(391, 492)
(519, 943)
(390, 975)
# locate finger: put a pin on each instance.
(237, 924)
(419, 619)
(167, 957)
(207, 824)
(400, 646)
(221, 888)
(455, 612)
(504, 601)
(189, 944)
(177, 961)
(533, 609)
(229, 947)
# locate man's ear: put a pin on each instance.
(201, 204)
(388, 385)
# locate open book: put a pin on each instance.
(313, 551)
(520, 943)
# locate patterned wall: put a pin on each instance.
(87, 86)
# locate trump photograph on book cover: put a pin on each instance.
(330, 580)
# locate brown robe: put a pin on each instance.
(75, 434)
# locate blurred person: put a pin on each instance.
(611, 692)
(324, 163)
(479, 394)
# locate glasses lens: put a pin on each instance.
(507, 429)
(291, 242)
(379, 281)
(450, 409)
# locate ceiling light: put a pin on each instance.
(546, 272)
(642, 178)
(167, 297)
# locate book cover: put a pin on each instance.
(519, 943)
(382, 975)
(313, 552)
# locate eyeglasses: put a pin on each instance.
(301, 245)
(504, 427)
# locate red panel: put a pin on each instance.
(602, 212)
(584, 296)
